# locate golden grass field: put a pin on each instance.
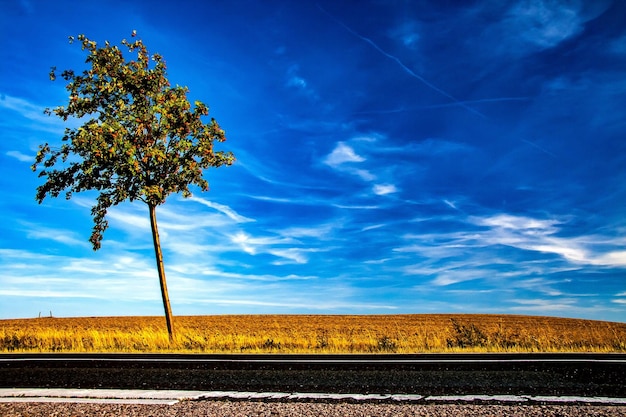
(419, 333)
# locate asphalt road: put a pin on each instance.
(586, 375)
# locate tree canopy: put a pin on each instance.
(140, 138)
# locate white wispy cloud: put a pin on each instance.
(295, 80)
(384, 189)
(612, 258)
(235, 280)
(187, 229)
(282, 200)
(289, 255)
(229, 212)
(561, 305)
(541, 235)
(343, 158)
(517, 223)
(22, 157)
(23, 107)
(537, 285)
(290, 300)
(214, 233)
(265, 171)
(364, 174)
(426, 147)
(545, 23)
(455, 276)
(453, 257)
(450, 204)
(285, 248)
(122, 276)
(173, 217)
(319, 231)
(131, 277)
(342, 154)
(33, 112)
(245, 242)
(534, 25)
(356, 207)
(129, 218)
(408, 33)
(66, 237)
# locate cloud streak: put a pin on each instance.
(446, 105)
(32, 112)
(21, 156)
(230, 213)
(403, 66)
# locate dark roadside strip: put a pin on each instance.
(527, 376)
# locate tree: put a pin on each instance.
(140, 140)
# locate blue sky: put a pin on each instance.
(392, 157)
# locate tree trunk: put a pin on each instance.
(159, 260)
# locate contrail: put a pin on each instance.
(539, 147)
(404, 67)
(439, 106)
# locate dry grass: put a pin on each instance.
(314, 334)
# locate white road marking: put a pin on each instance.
(497, 398)
(570, 399)
(139, 401)
(170, 397)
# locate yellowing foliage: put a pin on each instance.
(314, 334)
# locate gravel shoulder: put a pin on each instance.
(300, 409)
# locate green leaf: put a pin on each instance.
(141, 141)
